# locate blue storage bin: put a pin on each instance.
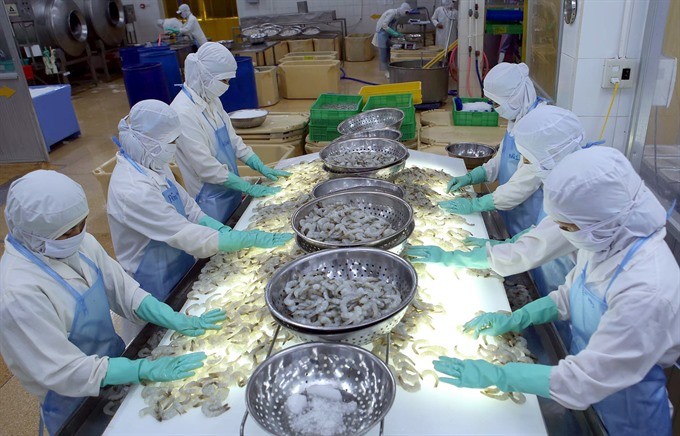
(168, 59)
(504, 15)
(129, 55)
(242, 92)
(55, 113)
(144, 82)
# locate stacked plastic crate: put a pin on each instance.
(328, 111)
(399, 101)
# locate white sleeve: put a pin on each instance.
(389, 15)
(435, 16)
(630, 339)
(520, 187)
(242, 151)
(188, 27)
(540, 245)
(194, 144)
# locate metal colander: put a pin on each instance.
(394, 149)
(372, 120)
(392, 209)
(345, 262)
(387, 173)
(378, 133)
(359, 375)
(334, 186)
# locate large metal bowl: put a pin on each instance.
(388, 207)
(345, 262)
(386, 133)
(334, 186)
(387, 173)
(358, 374)
(372, 120)
(247, 122)
(394, 149)
(473, 154)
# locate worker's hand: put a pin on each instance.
(537, 312)
(468, 373)
(476, 258)
(255, 163)
(477, 175)
(236, 240)
(464, 206)
(490, 324)
(207, 221)
(393, 33)
(440, 26)
(197, 325)
(169, 368)
(235, 182)
(481, 242)
(426, 254)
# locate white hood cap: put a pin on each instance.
(598, 188)
(43, 205)
(211, 63)
(146, 133)
(404, 8)
(546, 135)
(184, 8)
(509, 85)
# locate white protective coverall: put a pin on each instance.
(197, 145)
(381, 38)
(191, 27)
(447, 16)
(598, 190)
(36, 314)
(137, 210)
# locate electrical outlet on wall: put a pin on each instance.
(623, 70)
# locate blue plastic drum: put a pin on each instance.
(242, 92)
(144, 82)
(129, 55)
(168, 59)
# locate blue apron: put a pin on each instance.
(162, 266)
(218, 201)
(523, 215)
(641, 409)
(92, 332)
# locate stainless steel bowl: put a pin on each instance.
(358, 374)
(388, 207)
(334, 186)
(359, 146)
(345, 262)
(372, 120)
(386, 133)
(250, 121)
(387, 173)
(473, 154)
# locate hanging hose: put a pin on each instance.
(343, 76)
(611, 103)
(467, 81)
(453, 68)
(479, 77)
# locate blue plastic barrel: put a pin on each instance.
(242, 92)
(144, 82)
(129, 55)
(168, 59)
(149, 48)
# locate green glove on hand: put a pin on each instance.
(156, 312)
(481, 242)
(393, 33)
(236, 240)
(493, 324)
(512, 377)
(477, 175)
(122, 371)
(464, 206)
(207, 221)
(235, 182)
(255, 163)
(476, 258)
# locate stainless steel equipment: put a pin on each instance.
(358, 146)
(435, 80)
(379, 133)
(248, 118)
(348, 262)
(358, 374)
(105, 20)
(334, 186)
(387, 173)
(473, 154)
(372, 120)
(61, 23)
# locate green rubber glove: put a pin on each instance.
(393, 33)
(511, 377)
(465, 206)
(476, 258)
(539, 311)
(207, 221)
(122, 371)
(481, 242)
(477, 175)
(236, 240)
(156, 312)
(235, 182)
(255, 163)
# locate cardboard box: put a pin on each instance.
(309, 79)
(267, 85)
(358, 47)
(270, 154)
(297, 45)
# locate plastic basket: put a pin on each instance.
(323, 133)
(413, 88)
(484, 119)
(326, 117)
(408, 131)
(400, 101)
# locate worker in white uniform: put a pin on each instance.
(622, 300)
(384, 28)
(57, 288)
(208, 146)
(157, 228)
(191, 27)
(445, 20)
(518, 198)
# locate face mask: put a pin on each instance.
(590, 239)
(164, 157)
(185, 15)
(63, 248)
(216, 89)
(506, 113)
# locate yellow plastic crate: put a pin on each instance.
(413, 88)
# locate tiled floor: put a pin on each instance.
(99, 110)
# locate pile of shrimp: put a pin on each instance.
(361, 159)
(344, 223)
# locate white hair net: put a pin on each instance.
(183, 8)
(43, 205)
(404, 8)
(205, 68)
(147, 132)
(511, 88)
(546, 135)
(447, 2)
(598, 190)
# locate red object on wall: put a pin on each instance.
(28, 72)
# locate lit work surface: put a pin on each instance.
(441, 410)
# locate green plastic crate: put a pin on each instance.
(399, 101)
(484, 119)
(321, 116)
(408, 131)
(323, 133)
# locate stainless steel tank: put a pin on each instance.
(105, 19)
(61, 23)
(435, 80)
